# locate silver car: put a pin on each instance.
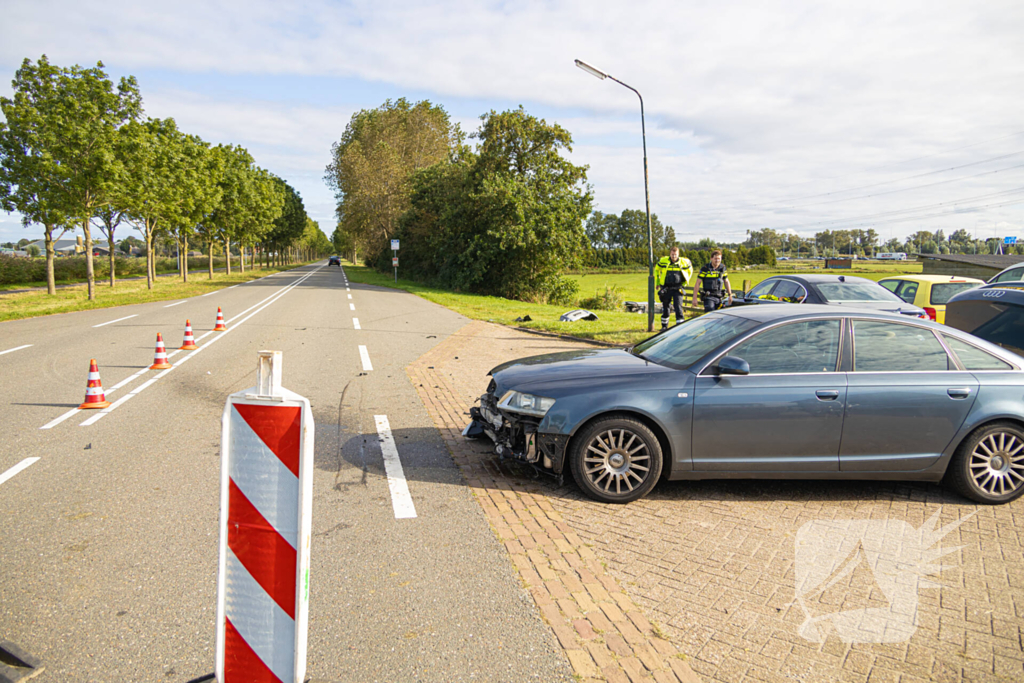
(808, 392)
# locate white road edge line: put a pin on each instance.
(16, 348)
(355, 323)
(401, 499)
(111, 322)
(116, 404)
(364, 355)
(24, 464)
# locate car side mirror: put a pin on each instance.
(732, 365)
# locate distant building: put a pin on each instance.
(981, 266)
(69, 247)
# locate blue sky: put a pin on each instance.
(796, 116)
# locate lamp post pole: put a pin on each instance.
(647, 196)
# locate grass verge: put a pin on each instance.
(69, 299)
(617, 327)
(612, 326)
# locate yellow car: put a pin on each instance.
(930, 292)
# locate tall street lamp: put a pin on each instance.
(647, 197)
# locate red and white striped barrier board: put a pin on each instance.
(265, 511)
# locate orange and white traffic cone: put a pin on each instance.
(160, 358)
(221, 327)
(190, 342)
(94, 397)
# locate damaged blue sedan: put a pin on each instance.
(785, 392)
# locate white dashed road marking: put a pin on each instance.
(30, 461)
(352, 307)
(16, 348)
(401, 499)
(365, 356)
(111, 322)
(355, 323)
(176, 303)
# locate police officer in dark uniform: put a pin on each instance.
(670, 275)
(715, 289)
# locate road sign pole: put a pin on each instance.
(394, 258)
(266, 503)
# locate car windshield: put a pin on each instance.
(854, 291)
(684, 344)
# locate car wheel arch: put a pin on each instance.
(647, 420)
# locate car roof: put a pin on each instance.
(783, 311)
(815, 278)
(1015, 265)
(934, 278)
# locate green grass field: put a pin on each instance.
(633, 286)
(617, 327)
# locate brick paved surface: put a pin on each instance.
(705, 574)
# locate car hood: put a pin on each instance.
(558, 372)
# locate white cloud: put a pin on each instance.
(750, 105)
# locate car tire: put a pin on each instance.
(616, 459)
(988, 467)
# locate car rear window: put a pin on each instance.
(685, 344)
(942, 293)
(854, 291)
(974, 358)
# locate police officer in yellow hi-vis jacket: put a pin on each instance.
(670, 275)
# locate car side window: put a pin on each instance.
(789, 291)
(762, 289)
(974, 358)
(1012, 275)
(796, 348)
(880, 346)
(891, 285)
(908, 291)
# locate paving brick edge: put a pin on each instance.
(604, 634)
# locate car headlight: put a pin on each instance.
(518, 402)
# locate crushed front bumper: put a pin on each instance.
(515, 436)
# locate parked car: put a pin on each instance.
(930, 292)
(835, 290)
(1014, 273)
(992, 312)
(801, 392)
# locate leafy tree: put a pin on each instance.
(165, 175)
(82, 113)
(628, 231)
(290, 223)
(507, 220)
(32, 178)
(372, 165)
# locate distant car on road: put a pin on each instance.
(797, 392)
(334, 261)
(833, 290)
(930, 292)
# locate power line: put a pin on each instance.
(748, 207)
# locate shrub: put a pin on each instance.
(610, 300)
(563, 291)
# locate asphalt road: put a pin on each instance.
(109, 562)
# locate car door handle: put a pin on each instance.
(826, 394)
(959, 392)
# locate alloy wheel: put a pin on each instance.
(997, 463)
(617, 461)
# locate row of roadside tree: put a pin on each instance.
(76, 152)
